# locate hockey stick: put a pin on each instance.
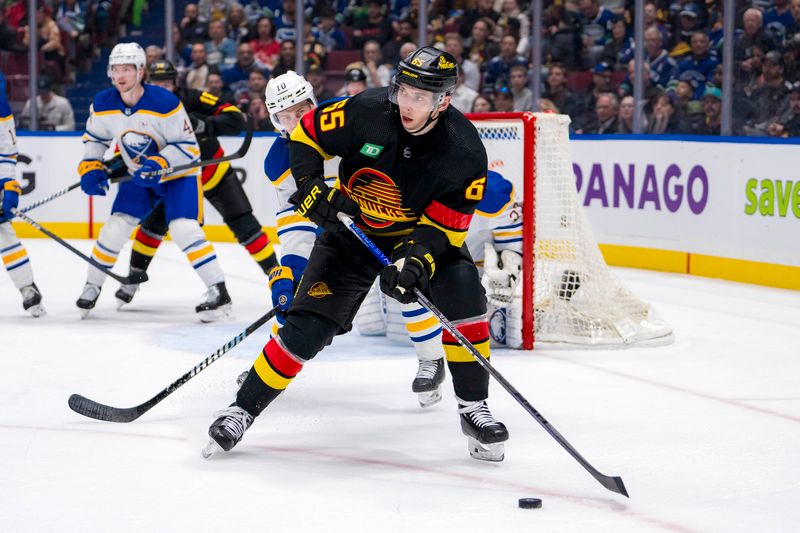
(62, 192)
(86, 407)
(134, 279)
(613, 484)
(248, 137)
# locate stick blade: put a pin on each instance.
(91, 409)
(614, 484)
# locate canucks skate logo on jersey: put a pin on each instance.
(139, 146)
(379, 198)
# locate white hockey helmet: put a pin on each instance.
(127, 54)
(285, 91)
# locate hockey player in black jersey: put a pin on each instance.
(210, 118)
(412, 171)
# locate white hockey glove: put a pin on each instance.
(500, 275)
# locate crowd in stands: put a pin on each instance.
(232, 49)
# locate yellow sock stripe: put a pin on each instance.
(102, 257)
(422, 324)
(455, 353)
(142, 248)
(199, 254)
(10, 258)
(265, 252)
(269, 375)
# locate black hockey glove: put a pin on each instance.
(115, 167)
(413, 267)
(320, 203)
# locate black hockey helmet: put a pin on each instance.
(429, 68)
(161, 70)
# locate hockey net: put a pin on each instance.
(569, 295)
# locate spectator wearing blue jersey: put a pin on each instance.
(780, 15)
(237, 75)
(595, 21)
(700, 63)
(499, 69)
(284, 22)
(221, 50)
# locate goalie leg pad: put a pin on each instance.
(116, 231)
(370, 321)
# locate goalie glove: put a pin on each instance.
(500, 275)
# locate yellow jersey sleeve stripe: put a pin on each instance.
(456, 238)
(300, 135)
(282, 177)
(157, 114)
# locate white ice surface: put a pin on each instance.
(705, 432)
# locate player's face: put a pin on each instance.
(124, 77)
(290, 117)
(415, 106)
(165, 84)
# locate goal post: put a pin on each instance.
(569, 295)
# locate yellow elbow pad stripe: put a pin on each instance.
(88, 166)
(160, 160)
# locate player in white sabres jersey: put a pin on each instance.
(151, 130)
(15, 257)
(288, 98)
(494, 241)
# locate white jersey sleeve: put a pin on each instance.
(8, 142)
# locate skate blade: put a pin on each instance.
(85, 313)
(486, 452)
(37, 310)
(211, 449)
(221, 313)
(426, 399)
(121, 304)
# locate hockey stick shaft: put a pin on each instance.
(62, 192)
(248, 138)
(89, 408)
(613, 484)
(139, 277)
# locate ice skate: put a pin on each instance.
(485, 434)
(88, 298)
(32, 300)
(216, 304)
(428, 382)
(227, 430)
(125, 293)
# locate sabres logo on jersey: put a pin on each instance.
(138, 146)
(379, 199)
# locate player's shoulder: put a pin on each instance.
(107, 100)
(158, 101)
(276, 164)
(496, 196)
(463, 137)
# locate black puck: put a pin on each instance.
(530, 503)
